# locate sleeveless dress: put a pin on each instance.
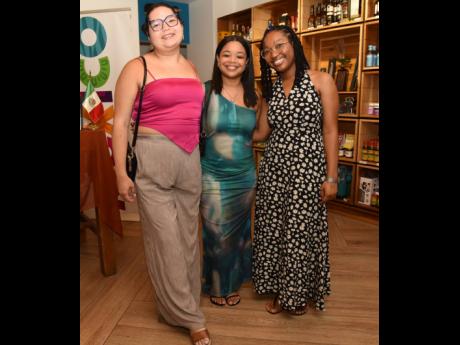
(291, 242)
(229, 178)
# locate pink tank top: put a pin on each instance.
(172, 106)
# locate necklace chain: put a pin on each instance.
(230, 96)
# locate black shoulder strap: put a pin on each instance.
(140, 103)
(204, 109)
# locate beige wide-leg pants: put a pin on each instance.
(168, 187)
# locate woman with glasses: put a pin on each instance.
(228, 170)
(297, 175)
(168, 179)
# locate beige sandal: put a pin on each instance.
(200, 334)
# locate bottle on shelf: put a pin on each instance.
(371, 58)
(329, 12)
(376, 8)
(294, 23)
(355, 9)
(269, 24)
(318, 15)
(341, 140)
(338, 11)
(238, 32)
(233, 30)
(364, 156)
(312, 19)
(345, 15)
(324, 13)
(284, 19)
(243, 32)
(376, 151)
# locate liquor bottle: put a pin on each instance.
(376, 8)
(355, 9)
(233, 30)
(370, 56)
(324, 13)
(364, 155)
(311, 19)
(329, 12)
(318, 13)
(269, 24)
(345, 9)
(338, 11)
(243, 32)
(238, 32)
(294, 23)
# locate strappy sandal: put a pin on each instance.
(200, 334)
(213, 301)
(231, 297)
(274, 307)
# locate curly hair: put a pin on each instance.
(247, 78)
(150, 7)
(301, 63)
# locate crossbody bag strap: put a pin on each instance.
(139, 109)
(204, 110)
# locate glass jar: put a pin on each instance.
(376, 108)
(370, 109)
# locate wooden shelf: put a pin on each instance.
(351, 39)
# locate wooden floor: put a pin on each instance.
(119, 310)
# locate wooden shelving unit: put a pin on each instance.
(349, 38)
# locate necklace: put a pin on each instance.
(232, 98)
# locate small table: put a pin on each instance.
(98, 189)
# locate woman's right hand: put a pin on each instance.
(126, 188)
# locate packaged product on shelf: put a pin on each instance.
(349, 145)
(364, 153)
(341, 142)
(366, 188)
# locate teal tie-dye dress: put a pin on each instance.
(229, 180)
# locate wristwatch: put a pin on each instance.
(330, 179)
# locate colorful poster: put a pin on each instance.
(108, 40)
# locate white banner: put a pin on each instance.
(108, 40)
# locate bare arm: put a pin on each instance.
(126, 89)
(263, 129)
(330, 101)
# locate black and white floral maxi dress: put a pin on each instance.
(291, 242)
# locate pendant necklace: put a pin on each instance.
(230, 96)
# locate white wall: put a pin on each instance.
(202, 37)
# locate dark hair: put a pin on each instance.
(301, 63)
(150, 7)
(247, 78)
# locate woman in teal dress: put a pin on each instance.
(228, 172)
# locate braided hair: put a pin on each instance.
(301, 63)
(247, 78)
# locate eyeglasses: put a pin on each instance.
(277, 48)
(157, 24)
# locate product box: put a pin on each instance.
(366, 188)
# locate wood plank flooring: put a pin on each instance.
(120, 309)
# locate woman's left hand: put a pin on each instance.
(328, 191)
